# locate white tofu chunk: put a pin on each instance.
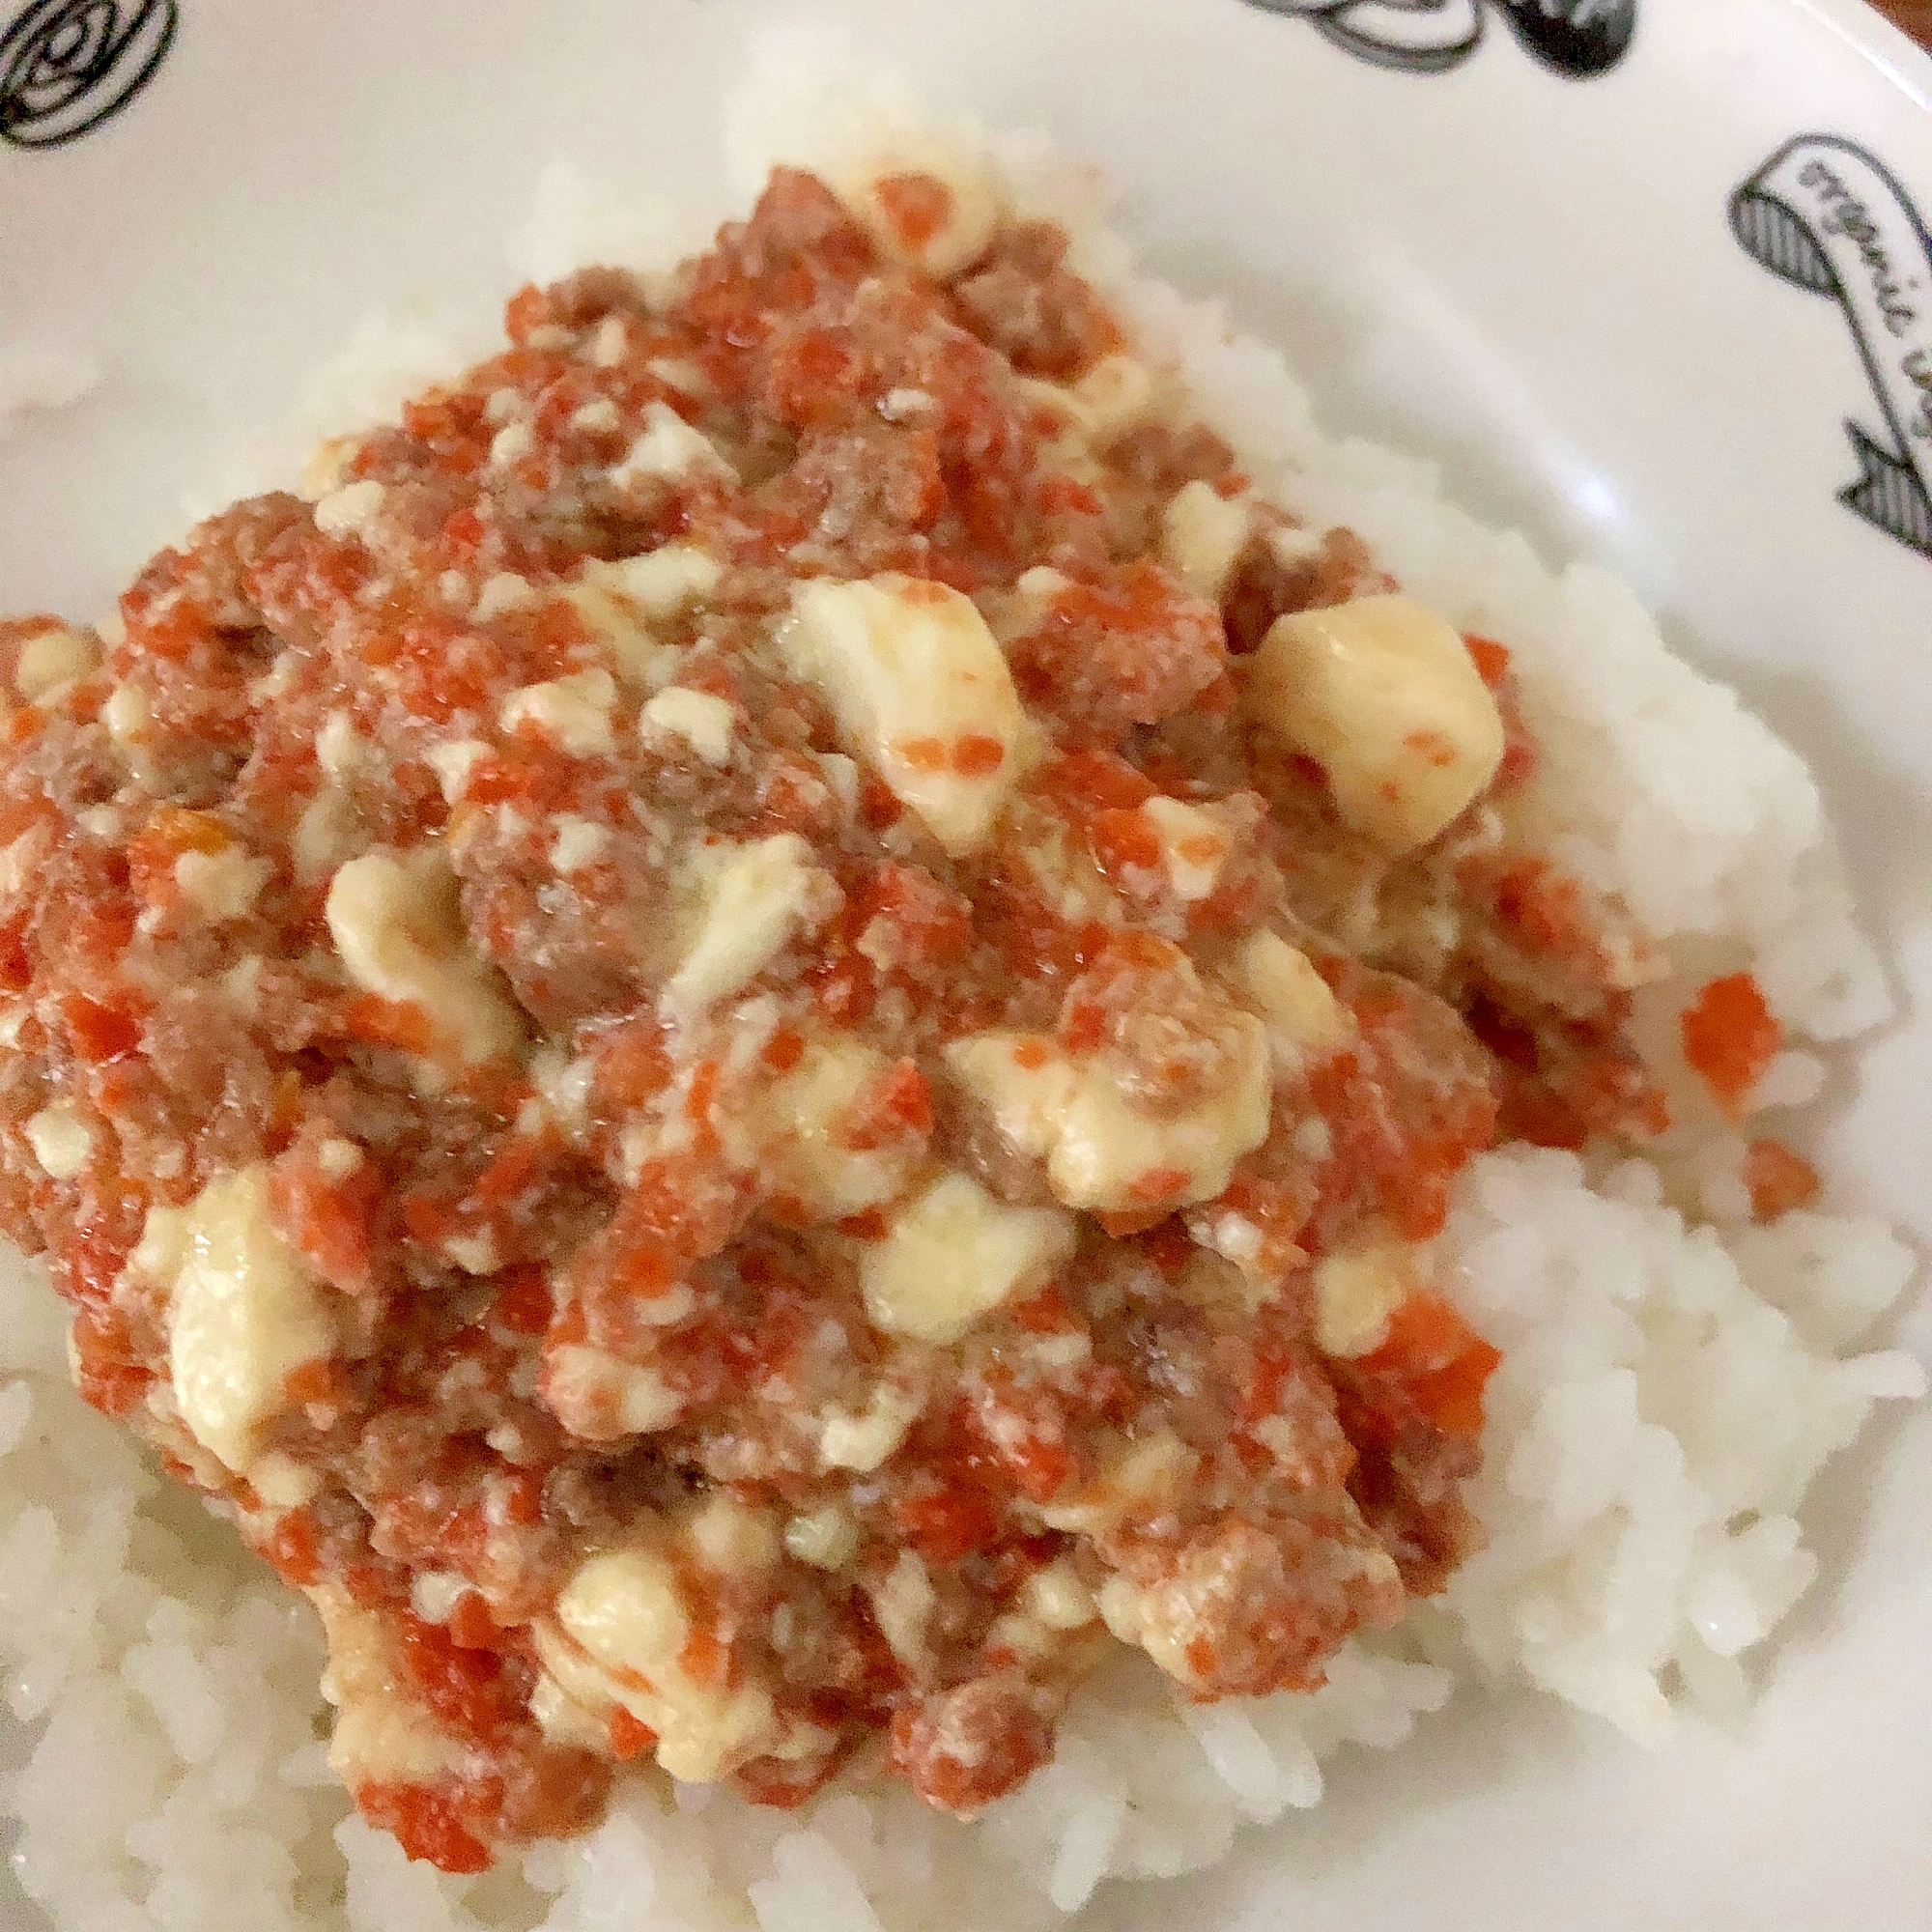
(340, 750)
(660, 583)
(504, 591)
(396, 921)
(671, 451)
(1383, 694)
(127, 714)
(801, 1150)
(623, 603)
(1305, 1019)
(1201, 532)
(1357, 1289)
(599, 1397)
(52, 657)
(1142, 1481)
(864, 1441)
(903, 1601)
(453, 761)
(349, 510)
(826, 1537)
(1102, 1154)
(596, 417)
(610, 342)
(325, 468)
(699, 719)
(221, 886)
(1194, 845)
(1056, 1596)
(745, 904)
(578, 843)
(1114, 395)
(921, 691)
(622, 1630)
(954, 1253)
(573, 712)
(734, 1540)
(513, 441)
(20, 862)
(62, 1142)
(328, 831)
(382, 1733)
(245, 1311)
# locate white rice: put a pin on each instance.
(1668, 1389)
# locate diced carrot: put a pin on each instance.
(399, 1023)
(100, 1032)
(318, 1379)
(523, 1302)
(947, 1525)
(1123, 839)
(900, 1103)
(1169, 1246)
(698, 1101)
(1083, 1025)
(975, 756)
(1094, 780)
(514, 1166)
(329, 1220)
(704, 1659)
(471, 1626)
(522, 312)
(633, 1064)
(923, 754)
(629, 1737)
(294, 1549)
(1492, 659)
(1440, 1361)
(1044, 1311)
(784, 1049)
(522, 1497)
(425, 1823)
(1730, 1037)
(1778, 1179)
(917, 205)
(879, 805)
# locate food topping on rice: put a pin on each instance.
(760, 1038)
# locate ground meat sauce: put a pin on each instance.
(757, 1041)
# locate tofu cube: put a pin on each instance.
(621, 1636)
(954, 1254)
(1357, 1289)
(921, 691)
(1102, 1153)
(1305, 1020)
(245, 1311)
(395, 920)
(744, 904)
(1201, 532)
(1382, 695)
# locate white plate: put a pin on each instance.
(1529, 274)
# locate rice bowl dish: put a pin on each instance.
(1635, 1511)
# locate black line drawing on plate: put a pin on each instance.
(66, 65)
(1829, 217)
(1576, 38)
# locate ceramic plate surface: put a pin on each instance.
(1650, 279)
